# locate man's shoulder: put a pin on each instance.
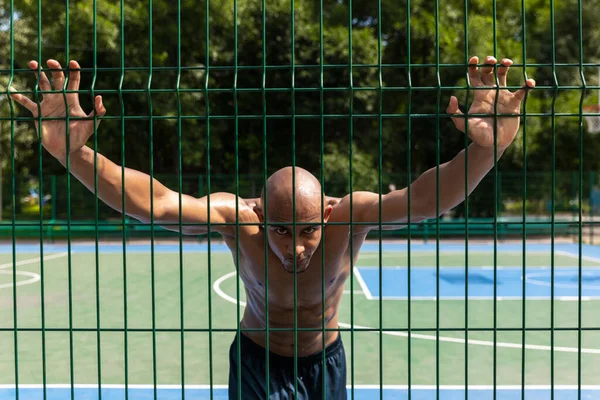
(253, 202)
(356, 198)
(355, 203)
(246, 211)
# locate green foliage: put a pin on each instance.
(523, 35)
(338, 173)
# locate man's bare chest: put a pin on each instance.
(261, 269)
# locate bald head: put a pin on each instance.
(280, 193)
(293, 243)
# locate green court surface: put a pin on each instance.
(151, 310)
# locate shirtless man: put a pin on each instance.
(286, 259)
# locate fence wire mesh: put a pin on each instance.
(106, 294)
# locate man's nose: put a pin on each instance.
(299, 250)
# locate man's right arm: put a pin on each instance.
(146, 199)
(158, 204)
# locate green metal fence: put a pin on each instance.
(509, 197)
(215, 96)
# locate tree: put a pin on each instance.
(120, 50)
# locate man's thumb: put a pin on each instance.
(99, 109)
(452, 108)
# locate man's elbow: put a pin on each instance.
(430, 211)
(153, 214)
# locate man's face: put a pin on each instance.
(308, 231)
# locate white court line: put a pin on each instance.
(489, 298)
(363, 284)
(34, 277)
(432, 252)
(368, 387)
(576, 256)
(480, 342)
(225, 296)
(476, 267)
(355, 292)
(393, 254)
(34, 260)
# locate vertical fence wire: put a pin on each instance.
(437, 198)
(69, 216)
(408, 191)
(264, 204)
(380, 187)
(14, 198)
(96, 200)
(180, 201)
(524, 216)
(351, 195)
(322, 151)
(123, 203)
(151, 162)
(496, 198)
(580, 194)
(236, 122)
(553, 197)
(40, 163)
(466, 144)
(294, 236)
(208, 202)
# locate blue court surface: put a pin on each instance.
(115, 392)
(481, 282)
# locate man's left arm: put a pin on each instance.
(424, 203)
(428, 198)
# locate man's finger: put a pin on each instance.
(452, 108)
(99, 110)
(24, 101)
(474, 78)
(58, 77)
(487, 71)
(503, 70)
(74, 80)
(44, 83)
(520, 94)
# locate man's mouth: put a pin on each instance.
(301, 265)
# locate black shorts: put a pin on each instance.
(311, 373)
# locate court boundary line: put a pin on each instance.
(360, 387)
(217, 288)
(355, 292)
(362, 283)
(363, 387)
(576, 256)
(488, 298)
(34, 277)
(484, 267)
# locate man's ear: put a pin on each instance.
(258, 211)
(327, 212)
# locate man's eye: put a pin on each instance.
(310, 230)
(281, 231)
